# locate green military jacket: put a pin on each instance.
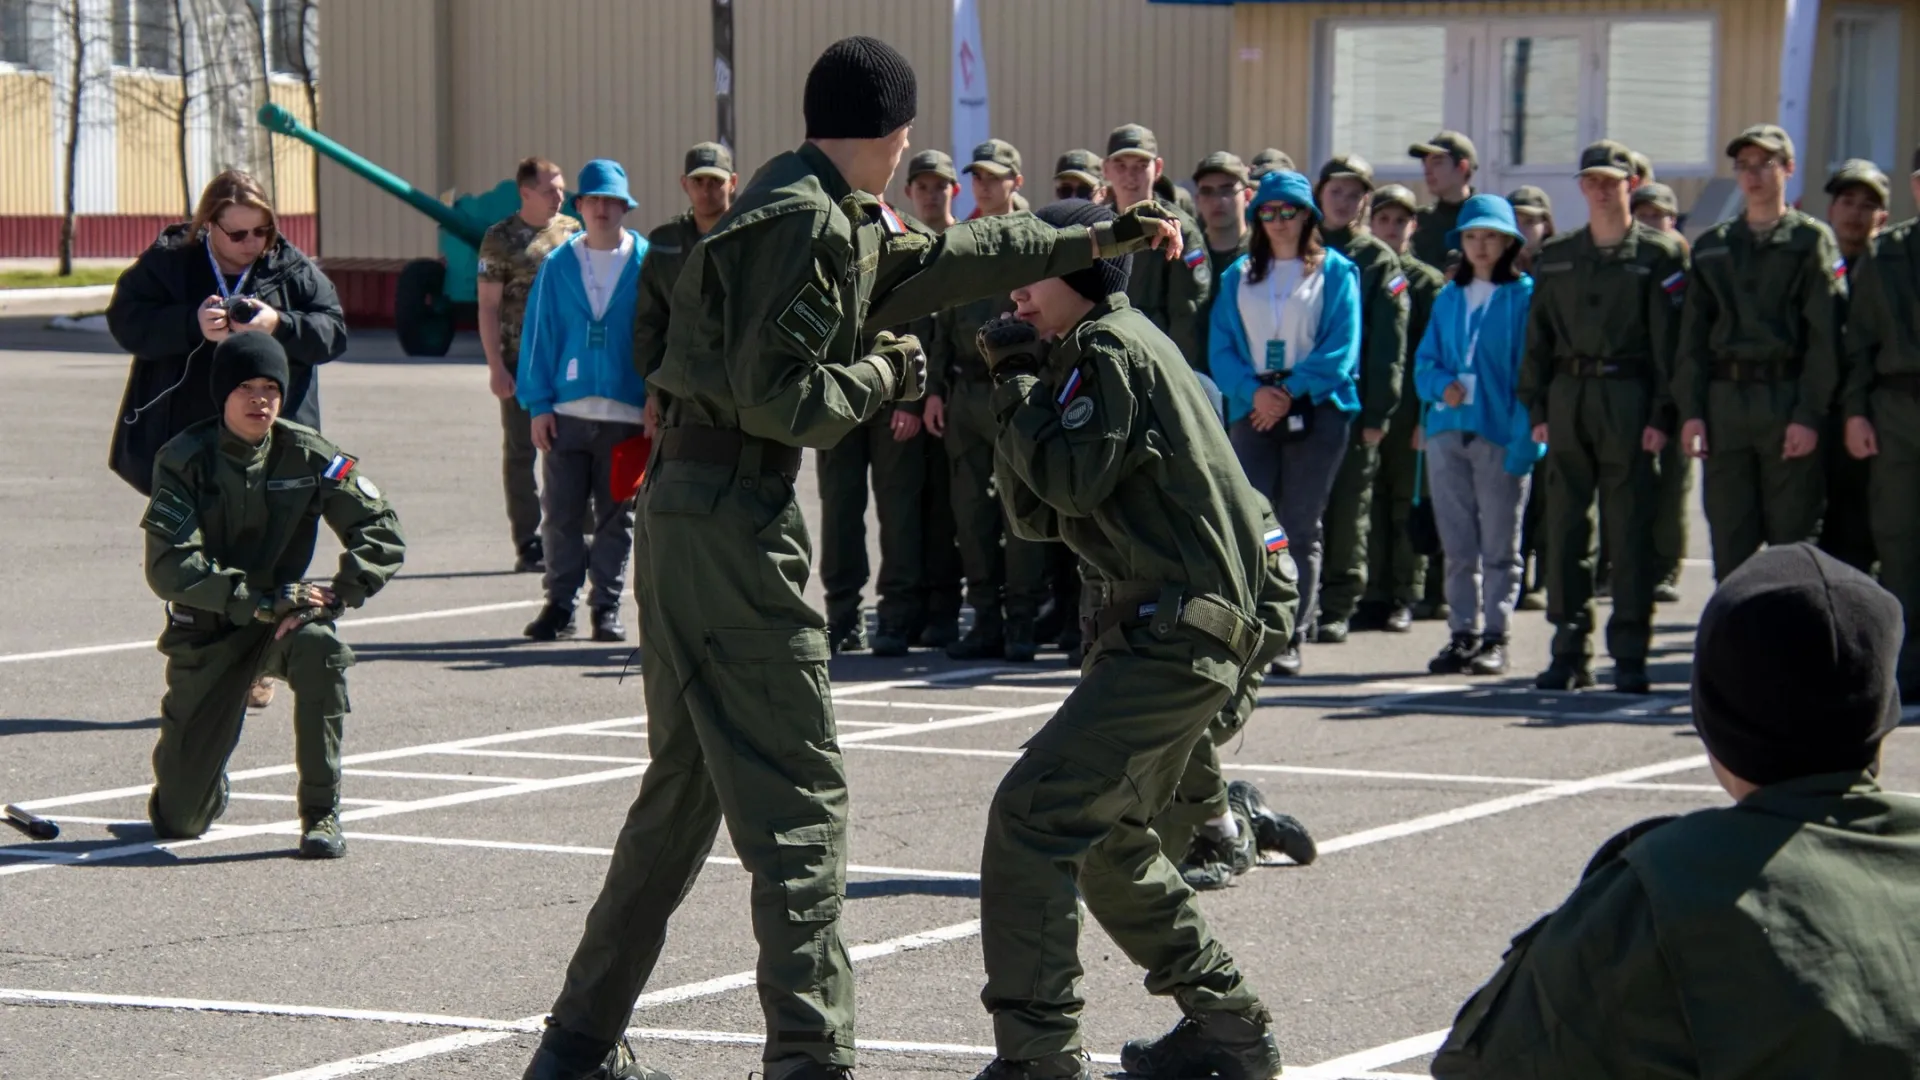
(1883, 323)
(667, 249)
(1616, 305)
(229, 523)
(1423, 286)
(953, 356)
(767, 335)
(1764, 299)
(1384, 305)
(1773, 938)
(1116, 450)
(1436, 219)
(1173, 294)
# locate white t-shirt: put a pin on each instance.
(1285, 307)
(600, 275)
(1479, 291)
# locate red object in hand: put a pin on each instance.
(629, 467)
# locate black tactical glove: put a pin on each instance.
(288, 599)
(905, 363)
(1010, 347)
(1131, 230)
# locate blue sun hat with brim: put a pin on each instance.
(1485, 212)
(1284, 186)
(604, 178)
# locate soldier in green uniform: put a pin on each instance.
(1267, 161)
(1759, 364)
(710, 185)
(1396, 574)
(1881, 403)
(237, 501)
(1223, 191)
(1345, 186)
(767, 353)
(1447, 162)
(1600, 341)
(1533, 211)
(510, 256)
(932, 185)
(1076, 175)
(1771, 938)
(1857, 214)
(1172, 295)
(1109, 443)
(1654, 206)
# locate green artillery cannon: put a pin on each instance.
(431, 293)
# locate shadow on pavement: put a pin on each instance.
(489, 654)
(866, 890)
(42, 726)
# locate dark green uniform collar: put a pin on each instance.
(1778, 797)
(1783, 230)
(831, 181)
(1066, 353)
(1338, 239)
(238, 450)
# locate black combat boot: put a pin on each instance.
(890, 640)
(1226, 1045)
(320, 835)
(984, 641)
(1369, 615)
(1214, 859)
(848, 634)
(1021, 643)
(564, 1055)
(1051, 1067)
(939, 632)
(1455, 655)
(1630, 677)
(1331, 632)
(607, 625)
(1399, 620)
(554, 622)
(1491, 659)
(1566, 673)
(531, 558)
(1272, 830)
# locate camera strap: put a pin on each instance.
(220, 279)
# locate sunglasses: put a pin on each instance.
(1274, 211)
(1072, 191)
(258, 232)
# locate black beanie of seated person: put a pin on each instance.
(243, 356)
(1794, 667)
(1106, 276)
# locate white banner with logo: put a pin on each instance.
(970, 124)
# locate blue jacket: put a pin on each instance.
(1495, 413)
(557, 332)
(1326, 374)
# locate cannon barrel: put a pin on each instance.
(278, 120)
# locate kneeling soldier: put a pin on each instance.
(1110, 444)
(230, 531)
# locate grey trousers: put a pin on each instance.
(1478, 507)
(577, 474)
(1297, 478)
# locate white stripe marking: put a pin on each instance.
(600, 852)
(1367, 1060)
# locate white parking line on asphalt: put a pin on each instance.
(1357, 1064)
(604, 853)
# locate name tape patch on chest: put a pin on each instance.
(811, 319)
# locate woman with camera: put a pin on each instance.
(228, 271)
(1284, 345)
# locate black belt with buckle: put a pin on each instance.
(725, 446)
(1593, 367)
(1128, 604)
(1752, 371)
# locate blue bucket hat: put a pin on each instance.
(1485, 212)
(604, 177)
(1284, 185)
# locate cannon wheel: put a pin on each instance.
(421, 312)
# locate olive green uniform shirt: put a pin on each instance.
(510, 256)
(1765, 299)
(1384, 307)
(1619, 306)
(667, 249)
(1436, 219)
(1883, 324)
(1173, 294)
(1770, 939)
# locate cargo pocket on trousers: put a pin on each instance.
(810, 854)
(774, 682)
(1013, 942)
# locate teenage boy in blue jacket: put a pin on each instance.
(578, 381)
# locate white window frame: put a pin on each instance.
(1468, 37)
(39, 40)
(269, 23)
(131, 8)
(1884, 77)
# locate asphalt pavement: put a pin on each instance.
(487, 775)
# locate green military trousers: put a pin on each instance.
(1752, 496)
(1895, 487)
(1670, 511)
(1594, 431)
(1846, 529)
(1013, 578)
(208, 675)
(940, 568)
(1071, 821)
(899, 484)
(739, 727)
(1396, 575)
(1348, 521)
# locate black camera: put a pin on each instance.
(242, 309)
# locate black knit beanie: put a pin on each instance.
(246, 356)
(860, 88)
(1793, 667)
(1106, 276)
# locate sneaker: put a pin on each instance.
(848, 636)
(1491, 659)
(1399, 620)
(1272, 830)
(1565, 673)
(563, 1055)
(1052, 1067)
(1630, 677)
(1288, 664)
(1666, 592)
(320, 835)
(1022, 645)
(939, 633)
(260, 694)
(1455, 655)
(531, 558)
(1533, 601)
(607, 625)
(1220, 1044)
(1213, 860)
(890, 641)
(1331, 632)
(979, 643)
(554, 622)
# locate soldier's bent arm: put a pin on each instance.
(650, 314)
(1028, 515)
(1543, 345)
(369, 532)
(1384, 345)
(1664, 303)
(984, 257)
(179, 569)
(1693, 358)
(1072, 454)
(1866, 314)
(1823, 297)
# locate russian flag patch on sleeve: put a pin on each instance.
(891, 220)
(1839, 268)
(1069, 388)
(1675, 281)
(338, 468)
(1194, 258)
(1398, 285)
(1276, 539)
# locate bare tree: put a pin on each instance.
(73, 26)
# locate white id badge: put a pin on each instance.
(1296, 424)
(1467, 383)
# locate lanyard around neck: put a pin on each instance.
(594, 300)
(220, 277)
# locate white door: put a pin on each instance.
(1530, 97)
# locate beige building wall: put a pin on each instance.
(26, 145)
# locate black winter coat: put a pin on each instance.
(155, 315)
